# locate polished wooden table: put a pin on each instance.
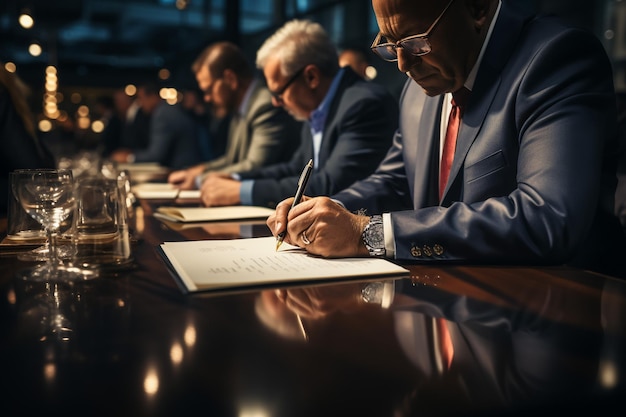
(526, 340)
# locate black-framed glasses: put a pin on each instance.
(416, 45)
(278, 94)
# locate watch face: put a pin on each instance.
(373, 237)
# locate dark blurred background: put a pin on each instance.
(97, 46)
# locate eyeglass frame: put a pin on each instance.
(422, 36)
(278, 95)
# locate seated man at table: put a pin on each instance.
(259, 133)
(348, 122)
(532, 179)
(171, 133)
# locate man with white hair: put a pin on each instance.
(348, 122)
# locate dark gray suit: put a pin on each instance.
(263, 135)
(356, 137)
(533, 177)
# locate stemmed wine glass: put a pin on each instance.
(41, 253)
(48, 196)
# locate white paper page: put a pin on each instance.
(232, 263)
(155, 190)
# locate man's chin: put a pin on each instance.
(430, 89)
(298, 117)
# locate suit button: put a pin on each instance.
(416, 252)
(427, 250)
(438, 249)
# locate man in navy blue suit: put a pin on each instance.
(532, 178)
(347, 129)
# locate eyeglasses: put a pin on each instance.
(416, 45)
(278, 95)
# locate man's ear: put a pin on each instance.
(230, 79)
(312, 76)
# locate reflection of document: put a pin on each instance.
(212, 214)
(162, 190)
(218, 264)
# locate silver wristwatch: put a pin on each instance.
(373, 236)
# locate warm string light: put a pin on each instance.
(26, 20)
(50, 97)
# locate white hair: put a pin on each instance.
(299, 43)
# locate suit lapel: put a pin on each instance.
(348, 78)
(427, 153)
(488, 79)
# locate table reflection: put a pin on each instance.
(520, 340)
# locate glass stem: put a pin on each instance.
(52, 247)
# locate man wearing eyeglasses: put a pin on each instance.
(347, 129)
(530, 177)
(259, 134)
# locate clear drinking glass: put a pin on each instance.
(41, 253)
(48, 196)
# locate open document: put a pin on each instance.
(220, 264)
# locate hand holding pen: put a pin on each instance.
(302, 182)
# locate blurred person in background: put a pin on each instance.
(355, 59)
(135, 122)
(211, 131)
(347, 129)
(20, 147)
(110, 138)
(259, 134)
(172, 141)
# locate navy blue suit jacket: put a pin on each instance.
(533, 177)
(357, 135)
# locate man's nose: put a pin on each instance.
(405, 60)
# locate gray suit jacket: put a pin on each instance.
(263, 135)
(533, 178)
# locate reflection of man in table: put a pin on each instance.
(520, 338)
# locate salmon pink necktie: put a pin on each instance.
(459, 98)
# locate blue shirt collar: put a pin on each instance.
(318, 116)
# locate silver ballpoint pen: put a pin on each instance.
(302, 182)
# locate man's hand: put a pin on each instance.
(185, 179)
(320, 301)
(330, 230)
(218, 190)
